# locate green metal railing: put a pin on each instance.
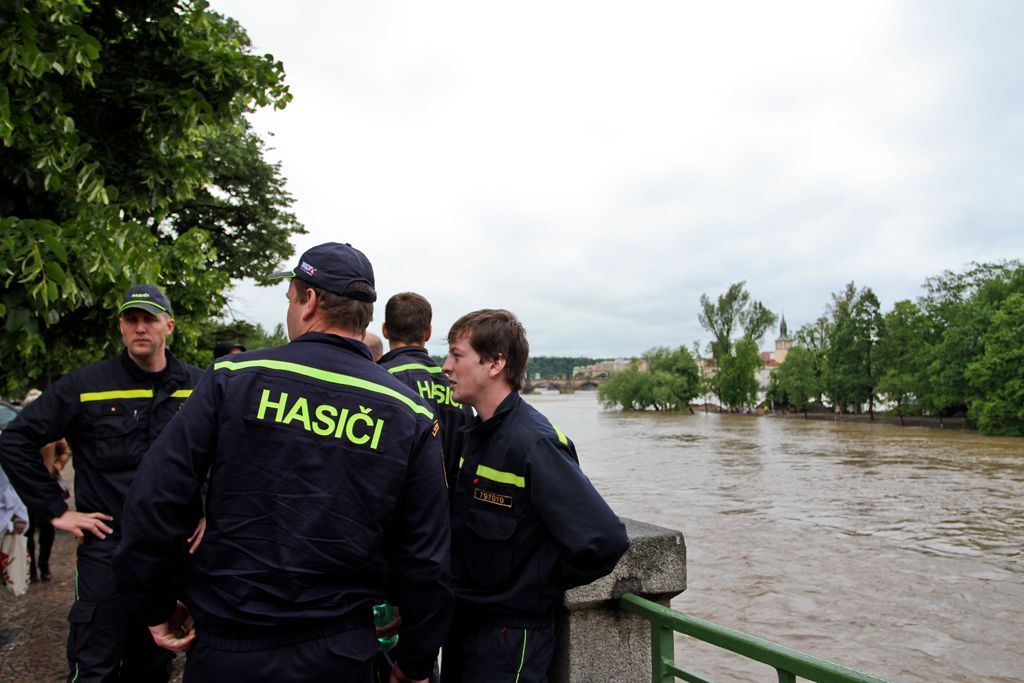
(788, 663)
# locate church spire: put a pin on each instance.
(783, 330)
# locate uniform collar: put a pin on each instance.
(346, 343)
(507, 405)
(171, 370)
(417, 351)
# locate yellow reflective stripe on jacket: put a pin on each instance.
(432, 369)
(326, 376)
(501, 477)
(182, 393)
(561, 436)
(110, 395)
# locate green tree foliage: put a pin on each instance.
(734, 312)
(998, 373)
(244, 207)
(630, 388)
(959, 308)
(669, 380)
(737, 374)
(902, 357)
(954, 352)
(250, 336)
(798, 380)
(851, 368)
(815, 338)
(675, 376)
(118, 122)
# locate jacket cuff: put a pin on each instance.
(154, 610)
(416, 667)
(53, 509)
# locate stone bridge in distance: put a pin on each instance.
(564, 386)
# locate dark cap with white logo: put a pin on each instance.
(147, 297)
(333, 267)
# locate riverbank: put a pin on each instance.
(880, 418)
(954, 423)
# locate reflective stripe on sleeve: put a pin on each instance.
(561, 436)
(182, 393)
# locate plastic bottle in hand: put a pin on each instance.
(382, 616)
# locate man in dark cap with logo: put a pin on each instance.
(109, 412)
(326, 492)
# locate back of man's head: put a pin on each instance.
(342, 278)
(493, 333)
(376, 346)
(407, 318)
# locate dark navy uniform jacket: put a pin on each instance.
(417, 370)
(527, 524)
(110, 412)
(326, 492)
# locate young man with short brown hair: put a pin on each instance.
(527, 524)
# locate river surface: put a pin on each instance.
(895, 551)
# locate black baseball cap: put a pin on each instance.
(225, 347)
(147, 297)
(333, 266)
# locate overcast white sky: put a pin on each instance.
(595, 167)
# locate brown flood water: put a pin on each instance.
(893, 551)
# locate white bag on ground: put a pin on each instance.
(14, 562)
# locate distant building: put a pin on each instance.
(600, 370)
(773, 359)
(783, 344)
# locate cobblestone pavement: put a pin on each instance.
(34, 626)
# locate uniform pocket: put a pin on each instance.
(358, 644)
(118, 445)
(491, 526)
(81, 613)
(486, 553)
(79, 617)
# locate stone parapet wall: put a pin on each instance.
(597, 641)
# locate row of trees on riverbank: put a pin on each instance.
(957, 350)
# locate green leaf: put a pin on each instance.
(56, 247)
(56, 275)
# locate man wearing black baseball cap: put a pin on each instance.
(226, 348)
(337, 268)
(326, 494)
(110, 412)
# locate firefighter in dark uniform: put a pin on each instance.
(326, 491)
(527, 524)
(109, 412)
(407, 318)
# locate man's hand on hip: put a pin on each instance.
(77, 523)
